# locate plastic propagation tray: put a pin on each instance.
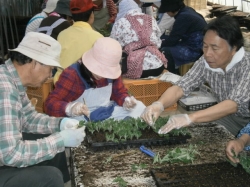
(101, 146)
(198, 100)
(205, 175)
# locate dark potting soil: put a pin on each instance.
(205, 175)
(97, 140)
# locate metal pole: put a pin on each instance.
(11, 29)
(14, 20)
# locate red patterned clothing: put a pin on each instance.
(139, 36)
(112, 10)
(70, 87)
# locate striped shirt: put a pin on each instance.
(35, 22)
(18, 115)
(233, 84)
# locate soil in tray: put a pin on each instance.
(207, 175)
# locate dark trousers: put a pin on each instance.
(171, 63)
(48, 173)
(152, 72)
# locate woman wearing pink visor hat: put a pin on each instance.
(92, 88)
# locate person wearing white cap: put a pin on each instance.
(92, 88)
(36, 20)
(32, 144)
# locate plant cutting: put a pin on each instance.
(185, 155)
(244, 161)
(121, 182)
(135, 167)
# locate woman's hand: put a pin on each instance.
(152, 112)
(175, 122)
(77, 109)
(129, 103)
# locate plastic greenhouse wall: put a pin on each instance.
(243, 5)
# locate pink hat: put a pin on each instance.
(104, 57)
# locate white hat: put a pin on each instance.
(40, 47)
(50, 6)
(125, 6)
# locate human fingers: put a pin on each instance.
(166, 128)
(231, 151)
(147, 116)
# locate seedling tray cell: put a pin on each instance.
(205, 175)
(157, 141)
(131, 133)
(137, 143)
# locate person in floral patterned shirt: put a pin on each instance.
(139, 36)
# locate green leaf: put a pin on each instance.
(120, 181)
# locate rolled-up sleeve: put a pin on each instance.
(193, 78)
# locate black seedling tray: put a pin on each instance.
(205, 175)
(196, 107)
(101, 146)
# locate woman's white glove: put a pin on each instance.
(68, 123)
(129, 103)
(175, 122)
(152, 112)
(73, 137)
(74, 109)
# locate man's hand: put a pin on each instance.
(68, 123)
(152, 112)
(175, 122)
(73, 137)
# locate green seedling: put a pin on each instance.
(108, 160)
(123, 130)
(121, 182)
(135, 167)
(81, 124)
(244, 161)
(183, 155)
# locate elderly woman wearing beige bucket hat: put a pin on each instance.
(92, 88)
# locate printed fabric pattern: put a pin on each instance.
(136, 50)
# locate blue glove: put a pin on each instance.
(68, 123)
(73, 137)
(101, 113)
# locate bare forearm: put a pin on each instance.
(215, 112)
(171, 96)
